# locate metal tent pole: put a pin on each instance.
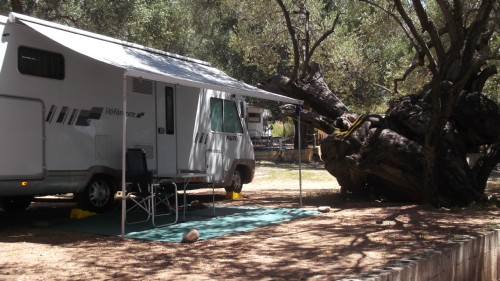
(298, 110)
(124, 150)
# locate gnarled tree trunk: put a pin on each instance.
(385, 154)
(418, 149)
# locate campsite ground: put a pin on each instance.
(354, 237)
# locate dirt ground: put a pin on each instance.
(354, 237)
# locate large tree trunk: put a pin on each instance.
(385, 155)
(418, 150)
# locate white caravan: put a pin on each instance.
(258, 123)
(67, 96)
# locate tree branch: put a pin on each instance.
(420, 41)
(322, 38)
(309, 117)
(453, 24)
(480, 81)
(417, 61)
(429, 26)
(474, 34)
(293, 37)
(307, 42)
(392, 15)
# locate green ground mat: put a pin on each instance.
(228, 220)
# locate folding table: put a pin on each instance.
(185, 178)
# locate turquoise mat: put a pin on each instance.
(228, 220)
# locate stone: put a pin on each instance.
(191, 236)
(324, 209)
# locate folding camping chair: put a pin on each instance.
(139, 181)
(145, 195)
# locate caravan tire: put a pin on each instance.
(98, 195)
(15, 204)
(236, 183)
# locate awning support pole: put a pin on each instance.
(124, 151)
(298, 110)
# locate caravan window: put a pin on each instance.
(37, 62)
(232, 122)
(169, 107)
(216, 114)
(224, 116)
(254, 117)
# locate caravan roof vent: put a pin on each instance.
(142, 86)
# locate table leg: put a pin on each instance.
(184, 205)
(186, 182)
(153, 207)
(213, 197)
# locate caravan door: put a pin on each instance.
(227, 131)
(22, 141)
(166, 152)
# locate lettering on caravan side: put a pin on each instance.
(83, 117)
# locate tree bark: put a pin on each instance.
(17, 6)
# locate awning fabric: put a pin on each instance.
(148, 63)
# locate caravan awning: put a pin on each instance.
(148, 63)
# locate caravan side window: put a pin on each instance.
(254, 117)
(224, 116)
(216, 114)
(232, 122)
(37, 62)
(169, 107)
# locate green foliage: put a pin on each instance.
(360, 59)
(4, 7)
(214, 24)
(364, 59)
(283, 129)
(164, 25)
(492, 87)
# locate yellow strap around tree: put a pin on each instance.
(341, 134)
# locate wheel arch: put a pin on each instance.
(98, 191)
(101, 172)
(247, 173)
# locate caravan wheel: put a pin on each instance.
(98, 195)
(236, 183)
